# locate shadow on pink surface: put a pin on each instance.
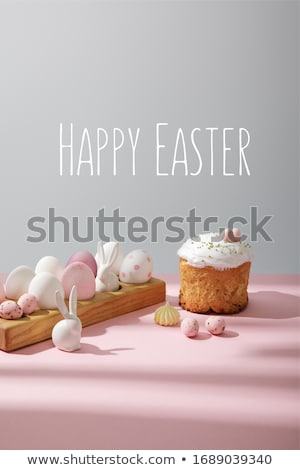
(263, 304)
(48, 429)
(86, 348)
(243, 380)
(272, 304)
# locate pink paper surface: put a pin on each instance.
(137, 385)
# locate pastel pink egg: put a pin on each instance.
(84, 257)
(80, 275)
(10, 310)
(215, 325)
(28, 303)
(190, 327)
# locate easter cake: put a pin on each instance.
(214, 273)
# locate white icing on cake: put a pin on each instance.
(202, 251)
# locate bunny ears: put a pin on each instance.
(72, 303)
(112, 256)
(66, 334)
(228, 236)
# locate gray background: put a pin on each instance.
(132, 64)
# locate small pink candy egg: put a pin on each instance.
(28, 303)
(189, 327)
(215, 325)
(10, 310)
(84, 257)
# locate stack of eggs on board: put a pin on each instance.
(27, 290)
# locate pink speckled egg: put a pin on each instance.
(215, 325)
(80, 275)
(10, 310)
(28, 303)
(84, 257)
(190, 327)
(2, 293)
(136, 267)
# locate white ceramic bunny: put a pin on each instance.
(106, 280)
(66, 334)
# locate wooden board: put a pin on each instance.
(15, 334)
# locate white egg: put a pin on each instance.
(136, 267)
(44, 286)
(18, 281)
(107, 250)
(50, 264)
